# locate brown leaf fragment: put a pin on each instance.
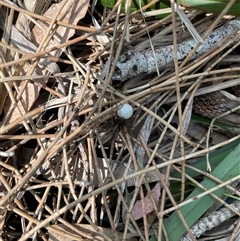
(77, 12)
(137, 211)
(62, 34)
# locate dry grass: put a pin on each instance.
(71, 169)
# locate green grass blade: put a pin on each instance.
(135, 5)
(215, 6)
(214, 158)
(227, 169)
(203, 120)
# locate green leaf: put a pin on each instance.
(227, 169)
(153, 238)
(204, 120)
(215, 159)
(135, 5)
(215, 6)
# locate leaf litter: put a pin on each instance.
(67, 159)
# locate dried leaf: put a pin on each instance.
(137, 211)
(145, 134)
(187, 119)
(23, 22)
(76, 13)
(62, 34)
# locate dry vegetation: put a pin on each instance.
(71, 169)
